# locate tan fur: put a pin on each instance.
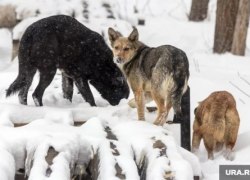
(217, 122)
(124, 49)
(7, 16)
(15, 48)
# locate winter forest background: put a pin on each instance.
(213, 33)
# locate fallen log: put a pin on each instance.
(108, 160)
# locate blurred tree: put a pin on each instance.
(241, 27)
(7, 16)
(198, 10)
(226, 14)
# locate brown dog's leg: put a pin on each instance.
(139, 98)
(209, 145)
(232, 126)
(196, 137)
(219, 146)
(196, 142)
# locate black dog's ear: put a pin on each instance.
(134, 35)
(113, 35)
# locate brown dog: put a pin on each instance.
(217, 122)
(159, 73)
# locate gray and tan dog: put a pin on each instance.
(159, 73)
(217, 122)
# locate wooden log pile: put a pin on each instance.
(111, 156)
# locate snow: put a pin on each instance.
(52, 125)
(7, 166)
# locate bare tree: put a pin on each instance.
(226, 14)
(198, 10)
(241, 27)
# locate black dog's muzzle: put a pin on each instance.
(118, 80)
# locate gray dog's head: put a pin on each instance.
(124, 48)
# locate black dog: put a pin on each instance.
(81, 54)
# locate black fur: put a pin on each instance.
(82, 55)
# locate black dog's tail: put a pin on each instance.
(25, 68)
(17, 85)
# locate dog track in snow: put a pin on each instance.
(237, 87)
(243, 79)
(196, 65)
(243, 87)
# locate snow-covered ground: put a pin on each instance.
(166, 23)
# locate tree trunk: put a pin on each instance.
(241, 28)
(226, 14)
(198, 10)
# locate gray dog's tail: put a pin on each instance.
(180, 77)
(177, 94)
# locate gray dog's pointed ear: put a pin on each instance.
(113, 35)
(134, 35)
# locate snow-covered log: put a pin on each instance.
(7, 164)
(55, 159)
(113, 159)
(51, 154)
(99, 149)
(155, 163)
(156, 153)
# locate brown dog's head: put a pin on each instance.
(124, 48)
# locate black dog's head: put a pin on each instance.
(113, 87)
(109, 81)
(117, 89)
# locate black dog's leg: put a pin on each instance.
(85, 91)
(67, 87)
(23, 93)
(45, 79)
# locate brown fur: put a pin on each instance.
(7, 16)
(15, 47)
(217, 122)
(144, 85)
